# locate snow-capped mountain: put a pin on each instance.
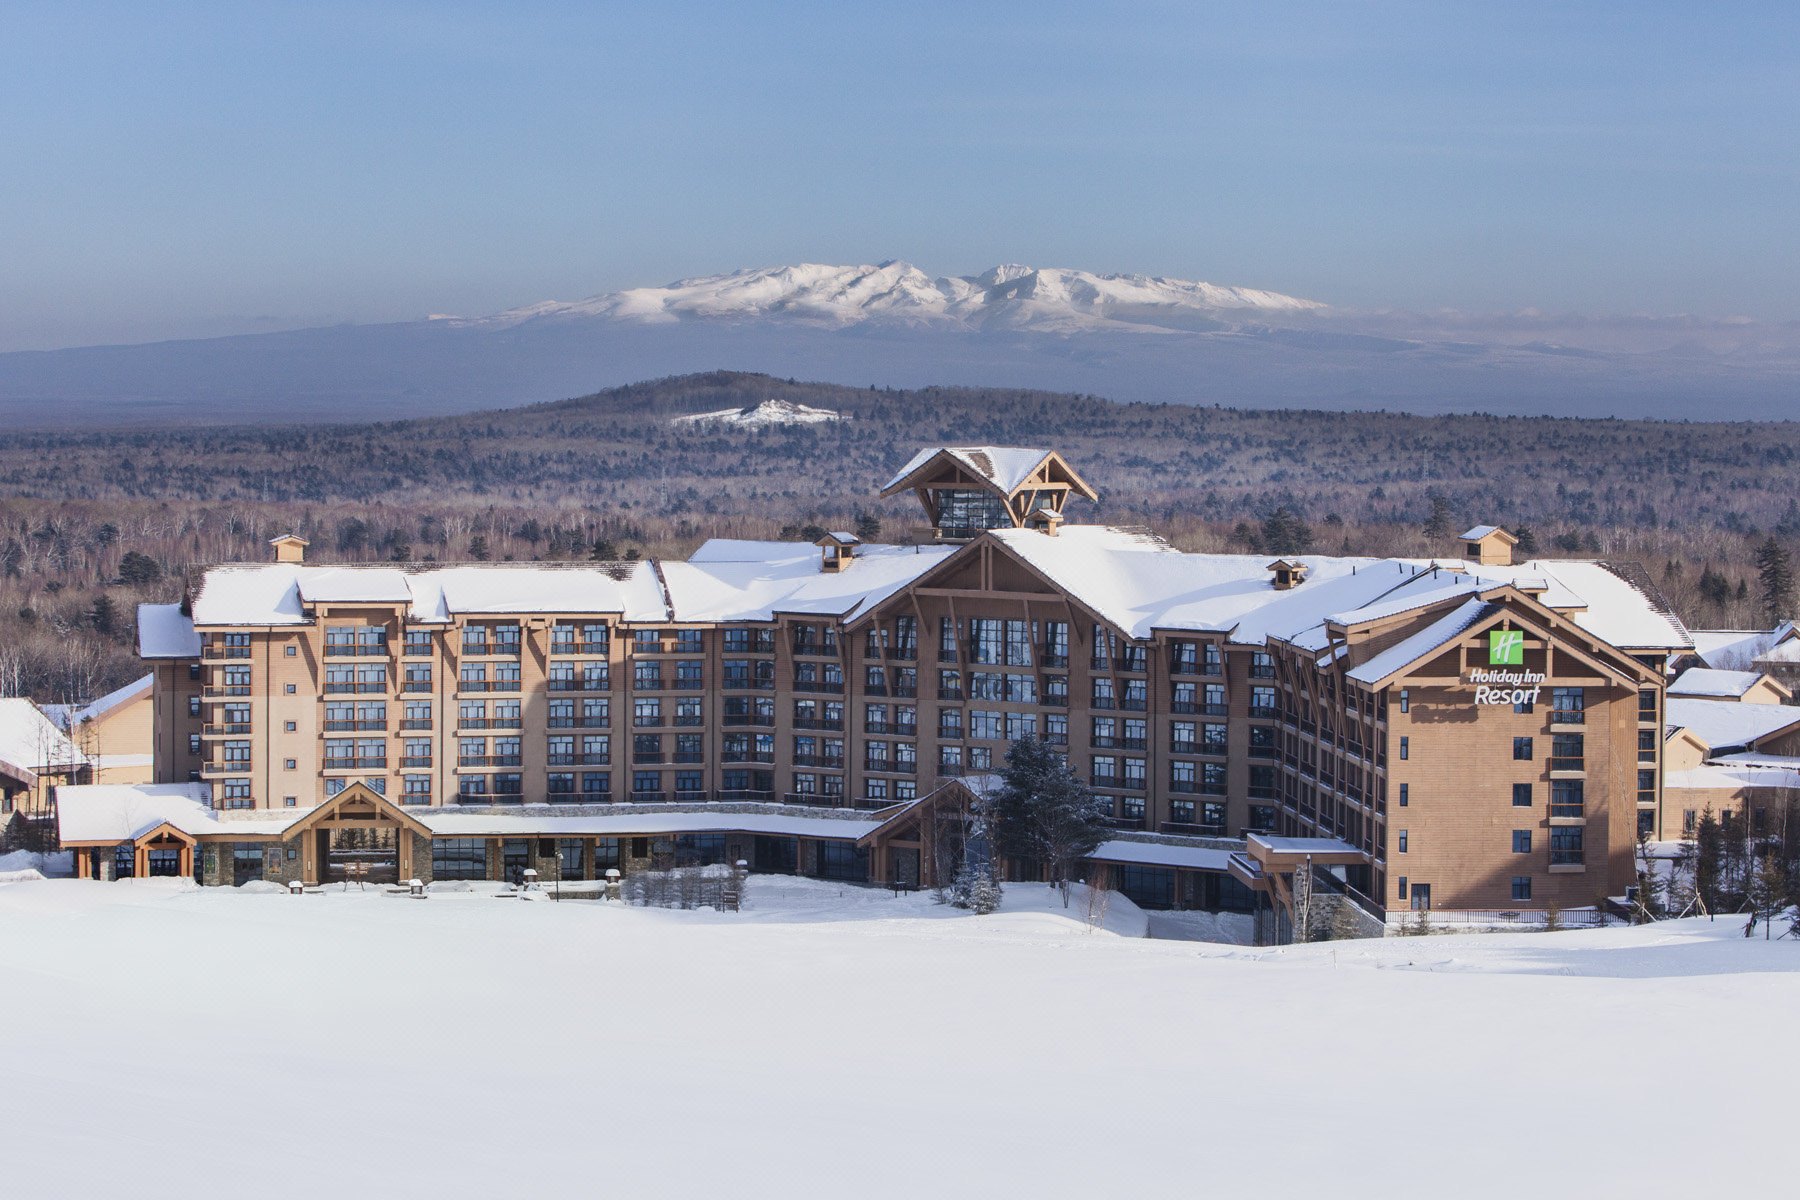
(1005, 297)
(761, 416)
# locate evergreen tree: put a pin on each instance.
(1708, 848)
(104, 616)
(1283, 532)
(1775, 575)
(868, 526)
(1043, 811)
(478, 548)
(605, 550)
(1528, 543)
(1767, 891)
(1437, 522)
(136, 569)
(984, 892)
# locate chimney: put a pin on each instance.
(1045, 521)
(289, 548)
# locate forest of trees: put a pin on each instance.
(93, 523)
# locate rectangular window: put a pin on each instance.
(1404, 795)
(1521, 887)
(1522, 749)
(1402, 842)
(1521, 841)
(1405, 747)
(1522, 795)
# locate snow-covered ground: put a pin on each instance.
(834, 1041)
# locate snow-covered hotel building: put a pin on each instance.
(1464, 733)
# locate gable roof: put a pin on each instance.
(1005, 468)
(1710, 682)
(1723, 724)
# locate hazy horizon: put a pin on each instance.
(199, 170)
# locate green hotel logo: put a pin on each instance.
(1506, 647)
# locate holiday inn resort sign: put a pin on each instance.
(1506, 648)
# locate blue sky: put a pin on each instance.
(184, 169)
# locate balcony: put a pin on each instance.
(482, 686)
(819, 686)
(949, 693)
(225, 691)
(489, 723)
(1567, 858)
(903, 653)
(689, 797)
(1191, 829)
(812, 799)
(746, 796)
(647, 797)
(591, 685)
(488, 760)
(416, 686)
(214, 770)
(1567, 716)
(747, 756)
(835, 725)
(833, 762)
(693, 722)
(1568, 768)
(1264, 712)
(411, 763)
(416, 723)
(758, 720)
(688, 756)
(357, 651)
(357, 764)
(356, 726)
(219, 652)
(1568, 812)
(1117, 743)
(490, 798)
(224, 730)
(590, 649)
(361, 688)
(891, 727)
(689, 685)
(580, 722)
(647, 757)
(1053, 658)
(490, 649)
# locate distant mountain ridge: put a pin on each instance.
(1125, 337)
(1009, 296)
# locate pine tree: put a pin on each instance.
(1437, 524)
(868, 526)
(1283, 532)
(1775, 575)
(104, 616)
(1708, 849)
(1767, 891)
(478, 548)
(984, 892)
(1528, 543)
(1043, 811)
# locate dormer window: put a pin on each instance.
(1286, 574)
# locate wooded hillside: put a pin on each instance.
(90, 523)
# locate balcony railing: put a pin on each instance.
(1568, 716)
(416, 762)
(224, 730)
(588, 648)
(233, 767)
(490, 722)
(819, 685)
(489, 685)
(357, 651)
(591, 685)
(356, 764)
(216, 651)
(827, 723)
(358, 688)
(747, 756)
(1568, 858)
(356, 726)
(1191, 829)
(580, 722)
(415, 723)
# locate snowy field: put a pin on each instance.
(834, 1041)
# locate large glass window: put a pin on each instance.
(458, 858)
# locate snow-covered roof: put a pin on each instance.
(1140, 584)
(1161, 854)
(277, 593)
(729, 580)
(1731, 776)
(1725, 723)
(1433, 637)
(625, 821)
(1706, 681)
(31, 740)
(107, 812)
(1740, 649)
(69, 716)
(1481, 531)
(1006, 467)
(164, 631)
